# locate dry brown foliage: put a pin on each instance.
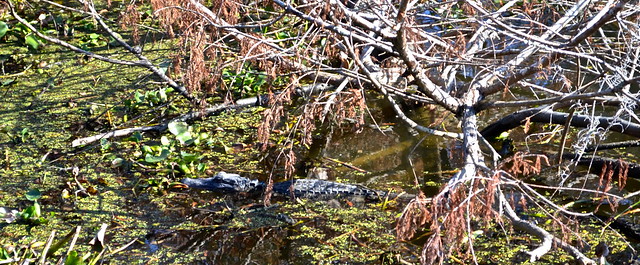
(197, 69)
(623, 173)
(415, 215)
(308, 122)
(227, 10)
(524, 164)
(176, 65)
(449, 213)
(173, 19)
(527, 125)
(273, 116)
(489, 195)
(432, 251)
(448, 217)
(609, 170)
(130, 18)
(201, 71)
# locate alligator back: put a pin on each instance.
(311, 187)
(233, 183)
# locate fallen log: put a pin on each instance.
(262, 100)
(597, 164)
(548, 116)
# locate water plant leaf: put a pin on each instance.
(149, 158)
(24, 133)
(33, 194)
(37, 210)
(117, 162)
(503, 136)
(31, 41)
(184, 167)
(165, 141)
(139, 97)
(97, 242)
(32, 213)
(181, 131)
(136, 137)
(162, 95)
(164, 66)
(177, 128)
(147, 149)
(185, 138)
(3, 28)
(188, 158)
(7, 82)
(105, 144)
(4, 254)
(74, 259)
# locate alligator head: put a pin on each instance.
(224, 182)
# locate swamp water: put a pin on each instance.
(155, 222)
(151, 220)
(236, 228)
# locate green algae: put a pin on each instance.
(54, 101)
(342, 234)
(44, 159)
(56, 115)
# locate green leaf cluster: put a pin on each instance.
(168, 151)
(246, 82)
(21, 33)
(20, 137)
(149, 98)
(31, 215)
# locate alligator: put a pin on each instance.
(233, 183)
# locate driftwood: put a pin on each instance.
(597, 163)
(547, 116)
(262, 100)
(616, 145)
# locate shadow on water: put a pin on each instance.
(224, 246)
(282, 234)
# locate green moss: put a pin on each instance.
(349, 234)
(65, 96)
(43, 159)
